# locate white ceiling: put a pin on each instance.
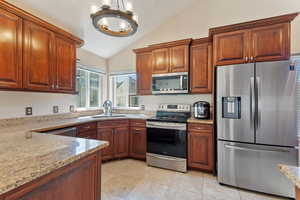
(73, 15)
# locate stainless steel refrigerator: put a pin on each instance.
(256, 125)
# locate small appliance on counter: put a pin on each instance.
(201, 110)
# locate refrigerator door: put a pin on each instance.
(276, 113)
(235, 88)
(254, 167)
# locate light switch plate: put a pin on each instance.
(28, 111)
(55, 109)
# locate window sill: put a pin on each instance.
(127, 108)
(88, 109)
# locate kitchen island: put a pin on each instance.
(293, 174)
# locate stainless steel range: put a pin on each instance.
(167, 137)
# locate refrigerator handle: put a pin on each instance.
(252, 103)
(258, 109)
(256, 150)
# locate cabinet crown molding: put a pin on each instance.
(201, 41)
(171, 44)
(26, 15)
(253, 24)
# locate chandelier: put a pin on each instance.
(114, 18)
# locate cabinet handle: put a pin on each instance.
(251, 58)
(246, 58)
(52, 86)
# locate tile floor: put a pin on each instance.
(134, 180)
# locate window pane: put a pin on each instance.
(123, 90)
(81, 85)
(94, 90)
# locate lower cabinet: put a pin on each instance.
(138, 137)
(200, 147)
(117, 134)
(87, 131)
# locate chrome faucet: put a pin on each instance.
(107, 105)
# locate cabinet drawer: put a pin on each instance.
(138, 123)
(138, 130)
(113, 123)
(88, 134)
(199, 127)
(87, 127)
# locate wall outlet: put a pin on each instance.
(72, 108)
(55, 109)
(143, 107)
(28, 111)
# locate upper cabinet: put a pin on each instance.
(65, 64)
(39, 60)
(144, 71)
(171, 57)
(10, 50)
(256, 41)
(201, 69)
(35, 55)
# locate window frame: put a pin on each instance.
(112, 96)
(87, 82)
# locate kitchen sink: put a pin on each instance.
(108, 116)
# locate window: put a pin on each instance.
(123, 91)
(89, 86)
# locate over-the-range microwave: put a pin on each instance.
(171, 83)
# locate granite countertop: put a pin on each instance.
(24, 159)
(292, 173)
(199, 121)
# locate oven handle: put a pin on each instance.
(172, 126)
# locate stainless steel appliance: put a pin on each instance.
(256, 125)
(70, 131)
(201, 110)
(167, 137)
(171, 83)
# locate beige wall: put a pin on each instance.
(195, 21)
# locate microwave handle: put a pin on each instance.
(181, 82)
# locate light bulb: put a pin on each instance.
(106, 2)
(129, 6)
(135, 18)
(94, 9)
(123, 25)
(104, 22)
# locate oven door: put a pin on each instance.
(173, 83)
(168, 139)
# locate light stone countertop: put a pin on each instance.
(23, 160)
(199, 121)
(292, 173)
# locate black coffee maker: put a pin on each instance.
(201, 110)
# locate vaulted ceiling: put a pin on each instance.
(74, 16)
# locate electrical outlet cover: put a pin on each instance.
(28, 111)
(55, 109)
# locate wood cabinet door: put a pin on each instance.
(121, 142)
(231, 48)
(270, 43)
(179, 59)
(39, 59)
(88, 135)
(107, 134)
(144, 73)
(200, 150)
(161, 63)
(201, 68)
(65, 64)
(10, 50)
(138, 142)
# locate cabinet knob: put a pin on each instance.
(246, 58)
(251, 58)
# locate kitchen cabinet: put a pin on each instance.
(201, 69)
(179, 59)
(39, 60)
(161, 63)
(144, 71)
(171, 57)
(80, 180)
(116, 132)
(65, 70)
(138, 135)
(87, 131)
(256, 41)
(35, 55)
(10, 50)
(200, 147)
